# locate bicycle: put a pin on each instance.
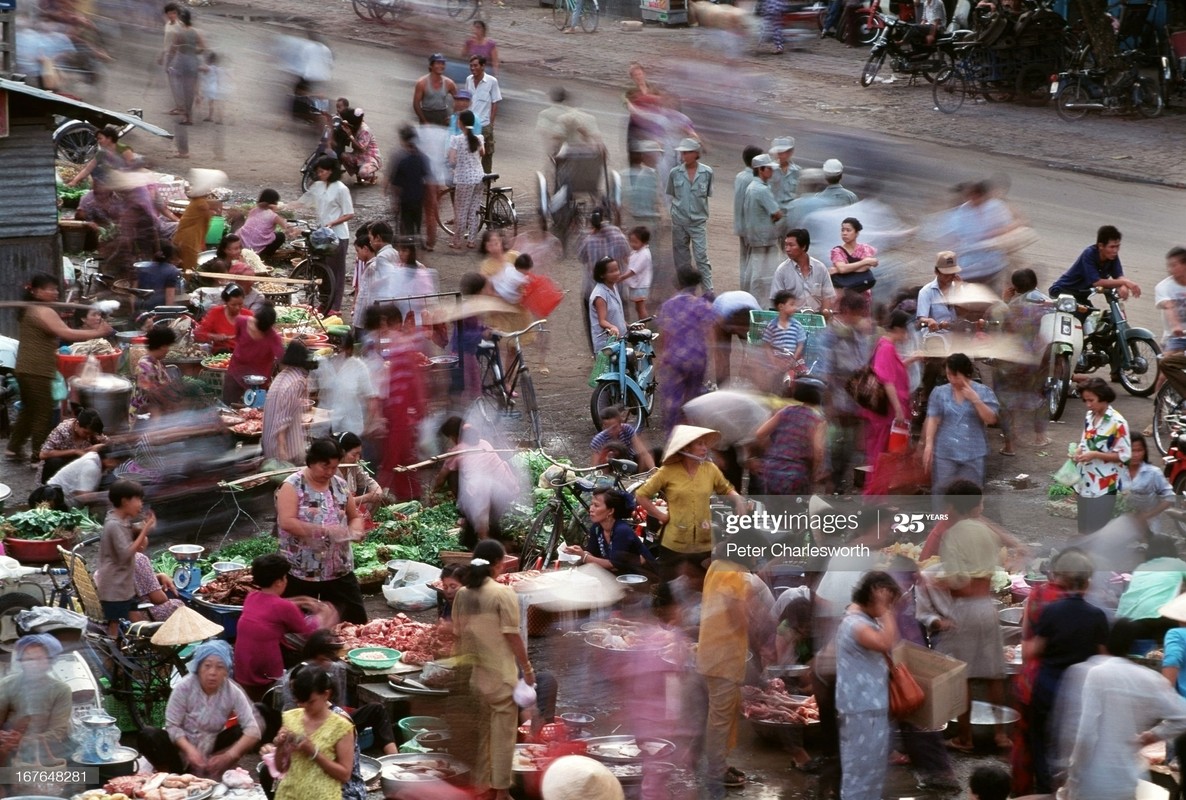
(497, 399)
(76, 142)
(629, 380)
(497, 211)
(318, 290)
(565, 519)
(589, 14)
(464, 9)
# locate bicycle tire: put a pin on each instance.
(869, 30)
(1141, 379)
(872, 67)
(308, 175)
(1166, 412)
(540, 538)
(380, 11)
(530, 408)
(146, 689)
(77, 143)
(457, 8)
(441, 222)
(590, 18)
(949, 92)
(362, 8)
(310, 269)
(560, 13)
(500, 214)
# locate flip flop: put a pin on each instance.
(1045, 441)
(734, 778)
(1005, 452)
(959, 747)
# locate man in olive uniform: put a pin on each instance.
(760, 227)
(689, 186)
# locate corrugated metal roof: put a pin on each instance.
(77, 108)
(28, 197)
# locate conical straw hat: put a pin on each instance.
(185, 626)
(684, 435)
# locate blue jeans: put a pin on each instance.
(575, 17)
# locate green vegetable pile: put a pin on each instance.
(1058, 491)
(71, 195)
(411, 532)
(241, 552)
(43, 523)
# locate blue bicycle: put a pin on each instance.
(587, 17)
(629, 381)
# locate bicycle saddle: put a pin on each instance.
(623, 466)
(490, 177)
(639, 336)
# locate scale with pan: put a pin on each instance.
(187, 576)
(255, 394)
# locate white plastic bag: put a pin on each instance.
(410, 598)
(524, 694)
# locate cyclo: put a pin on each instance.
(583, 183)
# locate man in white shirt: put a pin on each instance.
(345, 387)
(485, 97)
(1170, 296)
(934, 308)
(83, 475)
(802, 274)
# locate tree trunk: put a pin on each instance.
(1099, 31)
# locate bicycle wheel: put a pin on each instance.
(1139, 378)
(318, 297)
(872, 67)
(384, 11)
(541, 536)
(868, 29)
(77, 143)
(500, 214)
(1147, 98)
(949, 92)
(464, 9)
(447, 225)
(560, 14)
(362, 8)
(144, 684)
(530, 407)
(590, 16)
(1167, 413)
(1073, 101)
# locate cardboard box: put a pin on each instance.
(942, 678)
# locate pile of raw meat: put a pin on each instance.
(776, 704)
(418, 641)
(228, 590)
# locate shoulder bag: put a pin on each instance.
(905, 695)
(861, 281)
(867, 390)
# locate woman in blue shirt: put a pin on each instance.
(612, 542)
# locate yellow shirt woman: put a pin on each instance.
(690, 528)
(304, 779)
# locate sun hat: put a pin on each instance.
(946, 264)
(579, 778)
(185, 626)
(782, 144)
(682, 436)
(204, 181)
(688, 145)
(833, 167)
(762, 160)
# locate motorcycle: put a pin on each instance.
(1078, 91)
(629, 381)
(908, 53)
(1132, 354)
(1060, 339)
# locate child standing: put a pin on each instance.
(540, 297)
(214, 87)
(637, 277)
(786, 336)
(118, 547)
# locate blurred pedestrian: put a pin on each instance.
(408, 184)
(685, 324)
(478, 44)
(760, 226)
(187, 46)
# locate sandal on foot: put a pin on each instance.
(734, 777)
(1005, 452)
(1045, 441)
(958, 746)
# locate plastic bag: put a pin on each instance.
(410, 598)
(601, 365)
(51, 616)
(524, 694)
(58, 390)
(1068, 474)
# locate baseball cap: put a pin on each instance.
(782, 144)
(688, 145)
(435, 57)
(762, 160)
(945, 263)
(462, 95)
(833, 167)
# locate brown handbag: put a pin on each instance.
(905, 695)
(867, 390)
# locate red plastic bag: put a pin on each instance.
(541, 296)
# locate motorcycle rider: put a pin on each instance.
(932, 20)
(935, 310)
(1097, 267)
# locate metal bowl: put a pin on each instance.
(187, 552)
(989, 714)
(393, 784)
(1011, 615)
(603, 748)
(578, 722)
(227, 567)
(791, 671)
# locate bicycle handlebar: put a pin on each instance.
(512, 335)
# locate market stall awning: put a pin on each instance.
(81, 110)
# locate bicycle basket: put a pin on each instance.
(323, 241)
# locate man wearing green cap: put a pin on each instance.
(689, 186)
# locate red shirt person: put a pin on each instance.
(267, 618)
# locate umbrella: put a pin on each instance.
(469, 307)
(735, 415)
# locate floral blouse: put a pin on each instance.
(1098, 478)
(320, 561)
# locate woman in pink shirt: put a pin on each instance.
(267, 618)
(257, 349)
